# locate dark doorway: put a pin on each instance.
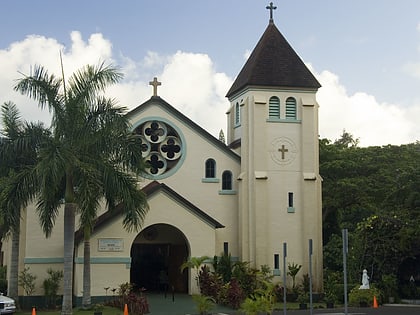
(156, 257)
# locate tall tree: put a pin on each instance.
(92, 152)
(17, 152)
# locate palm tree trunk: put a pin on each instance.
(69, 225)
(86, 301)
(12, 291)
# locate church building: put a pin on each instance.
(245, 195)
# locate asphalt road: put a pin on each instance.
(381, 310)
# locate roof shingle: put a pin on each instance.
(274, 63)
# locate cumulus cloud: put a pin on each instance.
(363, 116)
(191, 84)
(19, 58)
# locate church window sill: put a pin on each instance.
(227, 192)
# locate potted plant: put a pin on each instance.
(330, 299)
(97, 309)
(302, 299)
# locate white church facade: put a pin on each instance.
(245, 197)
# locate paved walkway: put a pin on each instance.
(181, 304)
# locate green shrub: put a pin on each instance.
(51, 286)
(358, 297)
(204, 303)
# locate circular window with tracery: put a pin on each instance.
(161, 147)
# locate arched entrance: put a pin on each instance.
(156, 256)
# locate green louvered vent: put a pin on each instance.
(291, 108)
(274, 107)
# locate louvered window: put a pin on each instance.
(274, 107)
(291, 108)
(237, 115)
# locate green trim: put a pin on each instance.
(290, 209)
(276, 272)
(227, 192)
(105, 260)
(274, 120)
(210, 180)
(43, 260)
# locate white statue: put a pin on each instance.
(365, 280)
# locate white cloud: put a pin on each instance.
(191, 84)
(19, 57)
(363, 116)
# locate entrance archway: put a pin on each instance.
(157, 254)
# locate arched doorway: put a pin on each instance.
(156, 256)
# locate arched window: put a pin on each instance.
(210, 168)
(227, 180)
(274, 107)
(237, 114)
(291, 108)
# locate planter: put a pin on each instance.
(330, 304)
(303, 306)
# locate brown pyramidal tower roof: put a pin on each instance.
(274, 63)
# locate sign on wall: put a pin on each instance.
(110, 245)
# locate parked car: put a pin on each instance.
(7, 305)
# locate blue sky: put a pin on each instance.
(366, 54)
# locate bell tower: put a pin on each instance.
(273, 125)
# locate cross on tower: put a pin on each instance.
(155, 84)
(271, 7)
(283, 150)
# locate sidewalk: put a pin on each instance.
(182, 304)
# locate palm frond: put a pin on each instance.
(42, 87)
(121, 187)
(19, 188)
(85, 83)
(11, 120)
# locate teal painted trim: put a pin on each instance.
(183, 150)
(276, 272)
(290, 209)
(105, 260)
(44, 260)
(275, 120)
(227, 192)
(210, 180)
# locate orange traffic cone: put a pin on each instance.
(375, 302)
(33, 311)
(125, 309)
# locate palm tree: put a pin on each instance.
(17, 151)
(194, 263)
(92, 152)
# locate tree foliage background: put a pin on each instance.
(374, 192)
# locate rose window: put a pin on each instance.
(161, 146)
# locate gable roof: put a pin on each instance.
(157, 100)
(274, 63)
(151, 189)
